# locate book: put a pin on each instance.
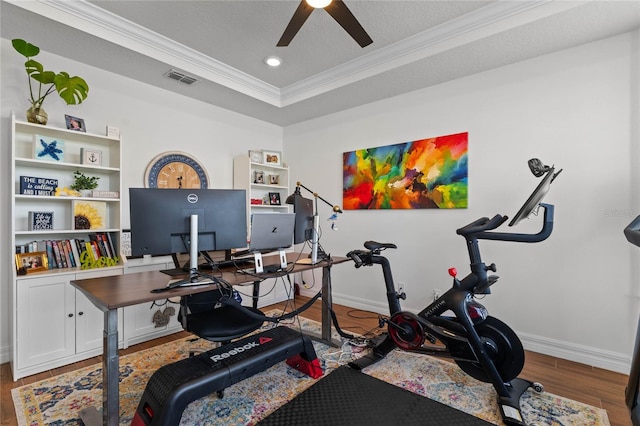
(90, 252)
(51, 256)
(69, 251)
(105, 194)
(112, 247)
(76, 253)
(56, 251)
(65, 254)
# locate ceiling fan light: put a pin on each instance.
(273, 61)
(319, 4)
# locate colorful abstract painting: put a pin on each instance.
(422, 174)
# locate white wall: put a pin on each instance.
(151, 121)
(574, 295)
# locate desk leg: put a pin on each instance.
(327, 304)
(110, 376)
(111, 370)
(256, 294)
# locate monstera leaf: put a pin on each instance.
(73, 90)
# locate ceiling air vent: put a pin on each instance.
(181, 77)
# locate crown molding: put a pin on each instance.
(480, 23)
(100, 23)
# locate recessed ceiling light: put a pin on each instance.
(318, 4)
(273, 61)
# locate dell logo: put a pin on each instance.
(274, 230)
(192, 198)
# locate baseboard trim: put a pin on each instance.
(582, 354)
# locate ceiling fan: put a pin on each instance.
(337, 9)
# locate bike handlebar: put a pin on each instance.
(482, 224)
(479, 229)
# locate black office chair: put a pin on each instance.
(203, 315)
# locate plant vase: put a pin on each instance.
(85, 192)
(37, 115)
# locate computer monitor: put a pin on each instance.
(161, 220)
(271, 231)
(303, 209)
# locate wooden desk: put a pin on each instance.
(111, 293)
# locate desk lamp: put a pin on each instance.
(316, 219)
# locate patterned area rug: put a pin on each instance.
(58, 400)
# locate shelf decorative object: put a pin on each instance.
(175, 169)
(89, 214)
(31, 262)
(255, 156)
(49, 149)
(31, 185)
(40, 221)
(91, 156)
(74, 123)
(73, 90)
(81, 183)
(274, 198)
(272, 158)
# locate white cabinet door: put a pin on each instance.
(89, 324)
(47, 318)
(140, 325)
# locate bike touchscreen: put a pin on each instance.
(535, 198)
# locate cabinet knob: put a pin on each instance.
(70, 315)
(80, 313)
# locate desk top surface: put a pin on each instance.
(118, 291)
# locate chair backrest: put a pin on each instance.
(200, 302)
(203, 315)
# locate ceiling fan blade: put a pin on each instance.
(299, 17)
(343, 16)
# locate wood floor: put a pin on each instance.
(593, 386)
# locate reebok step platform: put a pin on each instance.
(172, 387)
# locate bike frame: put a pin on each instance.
(460, 328)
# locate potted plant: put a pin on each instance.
(73, 90)
(84, 184)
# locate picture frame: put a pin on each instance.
(74, 123)
(274, 198)
(48, 149)
(274, 179)
(89, 214)
(32, 262)
(91, 156)
(272, 158)
(255, 156)
(258, 176)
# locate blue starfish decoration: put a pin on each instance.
(50, 149)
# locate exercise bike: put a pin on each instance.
(481, 345)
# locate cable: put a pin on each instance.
(230, 301)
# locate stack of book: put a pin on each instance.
(72, 253)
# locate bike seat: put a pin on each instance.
(374, 245)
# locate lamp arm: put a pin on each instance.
(315, 194)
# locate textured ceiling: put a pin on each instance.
(223, 44)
